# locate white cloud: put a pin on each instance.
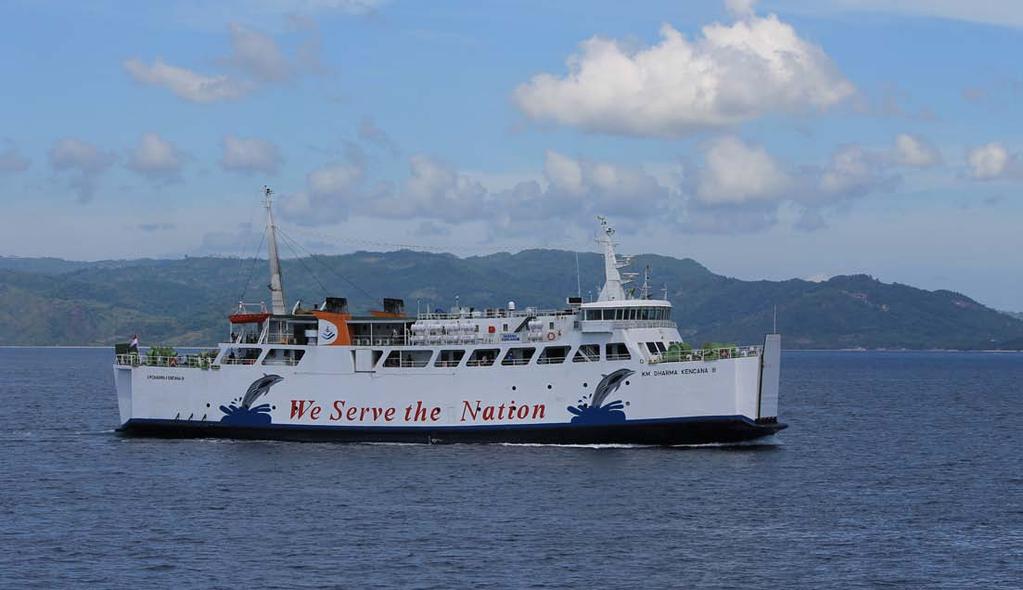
(741, 8)
(852, 172)
(12, 161)
(563, 173)
(250, 155)
(736, 188)
(572, 191)
(740, 188)
(185, 83)
(83, 161)
(732, 73)
(256, 57)
(914, 152)
(992, 161)
(596, 188)
(156, 158)
(332, 191)
(735, 173)
(433, 190)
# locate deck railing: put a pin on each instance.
(195, 361)
(707, 354)
(492, 313)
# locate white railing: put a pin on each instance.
(480, 363)
(707, 354)
(492, 313)
(239, 361)
(194, 361)
(551, 360)
(515, 362)
(388, 341)
(629, 324)
(455, 339)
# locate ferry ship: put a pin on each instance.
(609, 371)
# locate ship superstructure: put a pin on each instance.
(612, 370)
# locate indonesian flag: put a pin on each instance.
(134, 342)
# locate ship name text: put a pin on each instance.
(663, 372)
(419, 412)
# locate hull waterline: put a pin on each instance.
(681, 431)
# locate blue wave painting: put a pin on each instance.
(241, 412)
(595, 411)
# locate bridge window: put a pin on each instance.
(518, 356)
(587, 353)
(553, 355)
(449, 358)
(482, 357)
(283, 356)
(408, 358)
(617, 351)
(241, 356)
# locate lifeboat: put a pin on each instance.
(248, 318)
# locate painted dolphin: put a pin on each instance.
(259, 388)
(608, 385)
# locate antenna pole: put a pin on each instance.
(578, 278)
(276, 284)
(774, 330)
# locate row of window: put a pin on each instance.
(633, 313)
(480, 357)
(486, 357)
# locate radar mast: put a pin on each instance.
(613, 282)
(276, 284)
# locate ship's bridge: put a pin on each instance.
(627, 310)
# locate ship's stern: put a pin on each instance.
(770, 378)
(122, 382)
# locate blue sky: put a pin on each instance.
(766, 140)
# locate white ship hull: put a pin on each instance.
(325, 398)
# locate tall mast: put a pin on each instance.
(276, 284)
(612, 290)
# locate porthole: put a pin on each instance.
(513, 388)
(548, 386)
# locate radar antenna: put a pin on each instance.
(644, 291)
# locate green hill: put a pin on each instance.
(185, 301)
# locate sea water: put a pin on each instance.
(897, 470)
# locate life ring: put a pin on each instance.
(551, 336)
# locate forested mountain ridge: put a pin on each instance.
(185, 301)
